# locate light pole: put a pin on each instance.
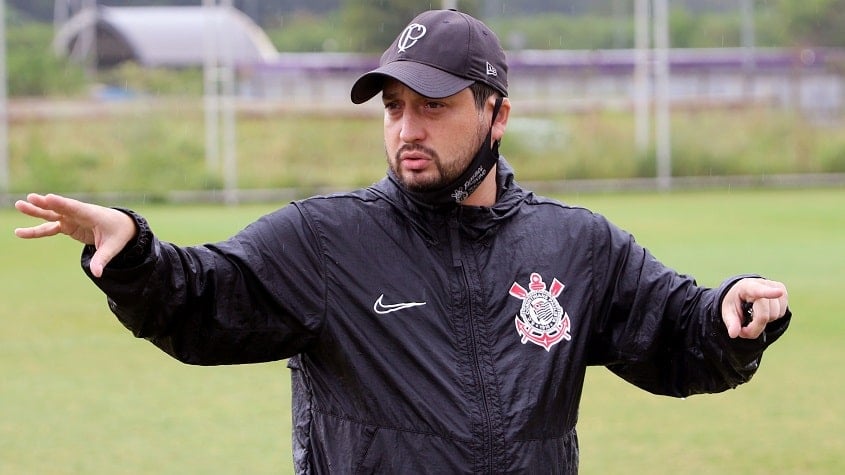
(642, 75)
(211, 91)
(748, 41)
(219, 97)
(663, 144)
(230, 156)
(4, 103)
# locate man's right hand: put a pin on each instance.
(109, 230)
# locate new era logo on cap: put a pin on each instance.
(437, 55)
(491, 70)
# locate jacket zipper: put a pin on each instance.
(457, 261)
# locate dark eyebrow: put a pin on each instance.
(385, 95)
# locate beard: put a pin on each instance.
(446, 172)
(418, 182)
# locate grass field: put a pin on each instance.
(79, 395)
(159, 147)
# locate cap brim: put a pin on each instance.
(425, 80)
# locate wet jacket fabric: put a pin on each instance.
(423, 340)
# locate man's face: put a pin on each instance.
(430, 142)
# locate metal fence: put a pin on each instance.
(809, 80)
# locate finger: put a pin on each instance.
(53, 207)
(97, 265)
(760, 318)
(733, 321)
(775, 309)
(783, 303)
(42, 230)
(68, 207)
(761, 289)
(36, 211)
(38, 200)
(102, 256)
(35, 198)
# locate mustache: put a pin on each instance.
(414, 147)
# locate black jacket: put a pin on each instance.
(429, 340)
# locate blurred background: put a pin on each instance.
(233, 100)
(711, 129)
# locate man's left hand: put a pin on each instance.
(768, 302)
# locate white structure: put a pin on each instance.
(164, 36)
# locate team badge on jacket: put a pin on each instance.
(541, 320)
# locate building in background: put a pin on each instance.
(164, 36)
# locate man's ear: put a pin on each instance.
(501, 122)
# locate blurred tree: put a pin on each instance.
(814, 22)
(41, 10)
(33, 70)
(369, 25)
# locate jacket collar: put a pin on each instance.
(477, 222)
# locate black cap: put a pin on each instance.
(438, 54)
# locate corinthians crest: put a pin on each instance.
(541, 320)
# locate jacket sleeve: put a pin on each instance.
(658, 329)
(259, 296)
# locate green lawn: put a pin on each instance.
(79, 395)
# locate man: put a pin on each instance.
(441, 320)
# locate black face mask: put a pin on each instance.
(454, 193)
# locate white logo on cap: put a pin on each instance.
(491, 70)
(410, 36)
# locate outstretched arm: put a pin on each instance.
(109, 230)
(768, 302)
